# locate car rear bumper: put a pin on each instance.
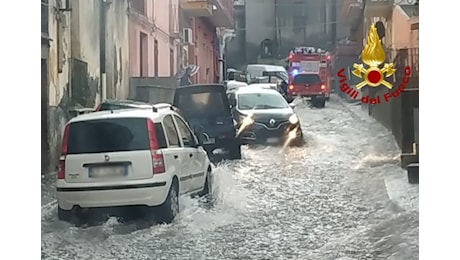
(146, 194)
(307, 94)
(259, 134)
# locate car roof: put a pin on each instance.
(267, 67)
(122, 113)
(262, 85)
(236, 83)
(209, 85)
(257, 89)
(126, 102)
(308, 73)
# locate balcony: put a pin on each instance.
(219, 12)
(223, 13)
(378, 8)
(197, 8)
(351, 11)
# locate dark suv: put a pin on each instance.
(207, 110)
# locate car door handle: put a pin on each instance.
(190, 155)
(176, 156)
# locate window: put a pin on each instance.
(139, 6)
(187, 136)
(44, 15)
(155, 58)
(143, 54)
(299, 23)
(108, 135)
(171, 132)
(161, 139)
(197, 104)
(307, 79)
(261, 101)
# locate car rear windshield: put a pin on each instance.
(208, 103)
(111, 135)
(307, 79)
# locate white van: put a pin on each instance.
(257, 70)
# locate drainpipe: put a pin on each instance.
(102, 49)
(224, 36)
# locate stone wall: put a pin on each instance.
(78, 60)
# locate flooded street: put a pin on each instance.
(341, 196)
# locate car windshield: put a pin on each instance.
(307, 79)
(198, 104)
(261, 101)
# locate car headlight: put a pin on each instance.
(293, 119)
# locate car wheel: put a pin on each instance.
(299, 141)
(235, 152)
(65, 215)
(207, 189)
(319, 102)
(170, 208)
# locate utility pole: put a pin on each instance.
(224, 36)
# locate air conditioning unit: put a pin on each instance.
(187, 35)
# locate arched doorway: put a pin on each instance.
(266, 48)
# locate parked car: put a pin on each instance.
(112, 104)
(233, 85)
(263, 116)
(145, 157)
(308, 85)
(273, 86)
(207, 110)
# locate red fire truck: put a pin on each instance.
(309, 72)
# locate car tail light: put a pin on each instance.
(158, 163)
(291, 87)
(323, 87)
(65, 140)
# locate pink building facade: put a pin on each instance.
(203, 17)
(153, 43)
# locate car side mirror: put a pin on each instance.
(292, 105)
(232, 103)
(202, 138)
(200, 141)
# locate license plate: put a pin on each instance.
(210, 141)
(102, 172)
(272, 140)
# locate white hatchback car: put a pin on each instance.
(130, 157)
